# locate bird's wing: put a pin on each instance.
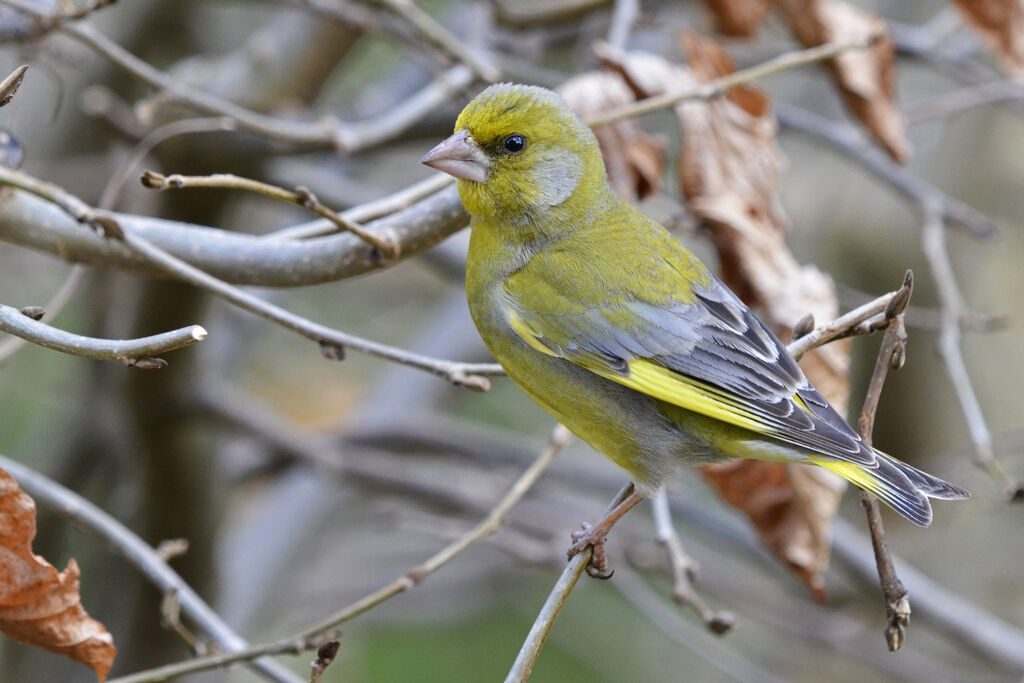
(696, 346)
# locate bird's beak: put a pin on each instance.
(461, 157)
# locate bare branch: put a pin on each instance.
(864, 319)
(684, 568)
(371, 210)
(897, 604)
(470, 375)
(301, 196)
(231, 256)
(112, 190)
(624, 15)
(138, 352)
(952, 306)
(720, 86)
(139, 553)
(559, 595)
(441, 37)
(326, 132)
(847, 140)
(321, 632)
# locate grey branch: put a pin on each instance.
(952, 306)
(320, 633)
(559, 595)
(327, 131)
(139, 553)
(847, 140)
(236, 258)
(127, 351)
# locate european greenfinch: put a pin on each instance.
(617, 330)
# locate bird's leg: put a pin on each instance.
(596, 535)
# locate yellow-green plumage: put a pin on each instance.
(616, 329)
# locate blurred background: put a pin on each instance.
(302, 484)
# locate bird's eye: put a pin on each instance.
(514, 143)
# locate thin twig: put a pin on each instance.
(684, 568)
(441, 37)
(316, 635)
(958, 101)
(112, 190)
(722, 85)
(369, 211)
(559, 595)
(891, 355)
(138, 352)
(733, 665)
(301, 196)
(140, 554)
(864, 319)
(952, 306)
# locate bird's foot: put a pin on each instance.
(596, 538)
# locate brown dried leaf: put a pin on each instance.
(1000, 23)
(738, 18)
(865, 78)
(38, 605)
(635, 161)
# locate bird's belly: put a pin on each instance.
(626, 426)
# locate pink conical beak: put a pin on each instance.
(461, 157)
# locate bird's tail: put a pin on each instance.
(904, 488)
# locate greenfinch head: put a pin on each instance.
(518, 150)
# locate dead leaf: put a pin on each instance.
(635, 161)
(738, 18)
(1000, 23)
(38, 605)
(866, 78)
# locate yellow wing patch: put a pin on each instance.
(660, 382)
(856, 475)
(664, 384)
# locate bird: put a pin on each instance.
(616, 329)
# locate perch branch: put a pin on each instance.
(559, 595)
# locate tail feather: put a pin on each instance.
(904, 488)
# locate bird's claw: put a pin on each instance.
(596, 538)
